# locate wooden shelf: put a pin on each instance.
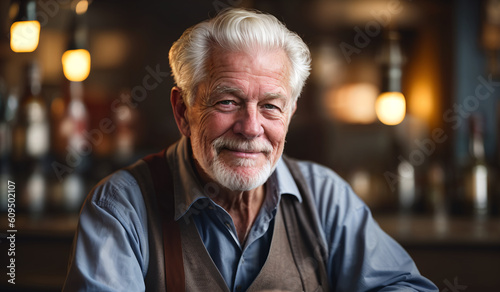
(51, 226)
(451, 231)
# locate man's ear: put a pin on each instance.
(180, 111)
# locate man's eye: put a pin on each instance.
(226, 102)
(270, 106)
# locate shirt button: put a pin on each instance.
(238, 288)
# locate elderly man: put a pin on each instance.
(223, 209)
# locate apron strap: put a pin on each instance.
(172, 246)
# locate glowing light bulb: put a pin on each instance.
(391, 108)
(76, 64)
(81, 7)
(24, 36)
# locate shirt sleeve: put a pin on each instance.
(110, 250)
(361, 256)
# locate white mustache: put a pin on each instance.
(242, 145)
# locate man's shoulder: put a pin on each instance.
(316, 171)
(119, 186)
(327, 187)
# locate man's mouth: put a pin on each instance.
(242, 148)
(242, 153)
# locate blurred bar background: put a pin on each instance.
(403, 102)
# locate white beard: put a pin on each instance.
(228, 178)
(223, 173)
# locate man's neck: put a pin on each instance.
(242, 206)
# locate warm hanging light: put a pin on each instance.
(76, 60)
(24, 36)
(390, 105)
(76, 64)
(391, 108)
(81, 7)
(25, 31)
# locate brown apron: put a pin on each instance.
(179, 261)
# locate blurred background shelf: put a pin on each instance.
(429, 231)
(452, 250)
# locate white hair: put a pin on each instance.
(236, 30)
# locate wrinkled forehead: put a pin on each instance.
(270, 67)
(271, 60)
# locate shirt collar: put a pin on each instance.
(190, 193)
(283, 180)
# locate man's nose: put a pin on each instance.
(249, 123)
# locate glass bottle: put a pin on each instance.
(477, 174)
(125, 119)
(31, 133)
(31, 141)
(78, 148)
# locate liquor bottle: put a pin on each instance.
(77, 149)
(477, 174)
(31, 134)
(31, 138)
(125, 119)
(406, 187)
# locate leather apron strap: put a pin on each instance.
(172, 246)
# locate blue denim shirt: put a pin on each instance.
(111, 244)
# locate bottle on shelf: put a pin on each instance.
(72, 148)
(406, 187)
(31, 133)
(477, 173)
(31, 142)
(125, 119)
